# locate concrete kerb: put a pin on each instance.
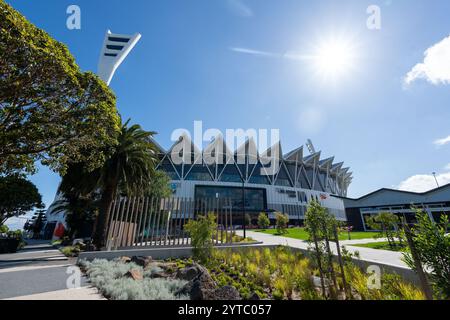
(162, 253)
(157, 253)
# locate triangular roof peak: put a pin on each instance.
(269, 152)
(295, 155)
(219, 146)
(313, 157)
(248, 148)
(326, 162)
(336, 167)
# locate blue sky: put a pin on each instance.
(185, 69)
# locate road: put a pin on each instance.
(40, 272)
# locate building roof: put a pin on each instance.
(295, 169)
(386, 196)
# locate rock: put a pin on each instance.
(221, 294)
(188, 273)
(135, 274)
(125, 259)
(142, 261)
(254, 296)
(200, 286)
(160, 275)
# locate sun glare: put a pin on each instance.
(334, 58)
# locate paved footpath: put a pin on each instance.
(39, 272)
(370, 255)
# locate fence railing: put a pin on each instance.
(148, 222)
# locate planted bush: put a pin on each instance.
(282, 221)
(201, 232)
(278, 274)
(263, 221)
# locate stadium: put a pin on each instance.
(239, 176)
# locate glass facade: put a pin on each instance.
(199, 173)
(255, 199)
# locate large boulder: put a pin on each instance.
(135, 275)
(189, 273)
(125, 259)
(201, 284)
(143, 262)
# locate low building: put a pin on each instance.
(402, 203)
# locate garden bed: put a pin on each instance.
(250, 274)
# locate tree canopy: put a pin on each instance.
(17, 197)
(49, 110)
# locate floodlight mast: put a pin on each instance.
(310, 146)
(116, 48)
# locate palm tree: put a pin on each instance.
(81, 213)
(129, 170)
(79, 201)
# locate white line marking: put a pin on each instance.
(18, 269)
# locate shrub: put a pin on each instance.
(282, 221)
(70, 251)
(263, 221)
(109, 278)
(433, 248)
(201, 232)
(4, 229)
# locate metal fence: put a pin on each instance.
(149, 222)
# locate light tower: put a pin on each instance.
(116, 48)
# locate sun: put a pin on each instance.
(334, 58)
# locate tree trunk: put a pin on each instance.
(426, 288)
(101, 226)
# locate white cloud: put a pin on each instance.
(447, 167)
(442, 142)
(423, 182)
(253, 52)
(288, 55)
(239, 8)
(436, 66)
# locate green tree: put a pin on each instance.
(159, 186)
(78, 197)
(39, 224)
(281, 222)
(80, 212)
(432, 246)
(17, 197)
(387, 223)
(129, 171)
(49, 110)
(322, 228)
(263, 221)
(201, 232)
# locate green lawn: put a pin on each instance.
(379, 246)
(301, 234)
